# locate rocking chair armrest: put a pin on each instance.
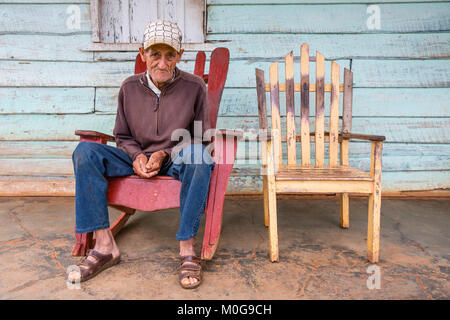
(348, 136)
(226, 140)
(94, 134)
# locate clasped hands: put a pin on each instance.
(150, 168)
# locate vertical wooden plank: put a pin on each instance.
(334, 114)
(106, 22)
(180, 16)
(320, 119)
(304, 106)
(266, 198)
(275, 103)
(141, 13)
(95, 20)
(123, 26)
(199, 68)
(272, 202)
(373, 226)
(262, 114)
(346, 127)
(290, 109)
(347, 101)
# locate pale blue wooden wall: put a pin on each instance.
(49, 88)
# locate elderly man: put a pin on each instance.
(151, 106)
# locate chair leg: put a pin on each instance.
(344, 208)
(373, 229)
(266, 201)
(120, 222)
(84, 243)
(273, 229)
(373, 225)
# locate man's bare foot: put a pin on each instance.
(104, 244)
(187, 249)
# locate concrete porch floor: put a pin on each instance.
(318, 259)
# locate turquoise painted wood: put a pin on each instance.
(397, 156)
(241, 182)
(62, 127)
(131, 56)
(63, 166)
(325, 18)
(369, 102)
(42, 18)
(401, 79)
(39, 149)
(45, 1)
(76, 74)
(243, 72)
(57, 47)
(367, 73)
(275, 2)
(401, 73)
(46, 100)
(44, 47)
(65, 148)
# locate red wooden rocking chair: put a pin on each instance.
(132, 193)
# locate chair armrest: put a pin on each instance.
(342, 136)
(94, 135)
(225, 147)
(362, 137)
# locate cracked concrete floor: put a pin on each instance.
(318, 259)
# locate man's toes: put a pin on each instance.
(74, 276)
(185, 281)
(189, 281)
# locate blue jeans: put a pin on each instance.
(93, 162)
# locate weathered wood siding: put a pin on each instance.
(49, 87)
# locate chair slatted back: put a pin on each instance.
(304, 106)
(275, 104)
(320, 109)
(320, 136)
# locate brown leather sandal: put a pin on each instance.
(89, 269)
(193, 270)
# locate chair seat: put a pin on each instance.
(302, 173)
(157, 193)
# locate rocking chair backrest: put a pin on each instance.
(305, 138)
(218, 70)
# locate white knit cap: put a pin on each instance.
(163, 31)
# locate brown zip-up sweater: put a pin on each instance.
(144, 122)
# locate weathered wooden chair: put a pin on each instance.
(320, 177)
(132, 193)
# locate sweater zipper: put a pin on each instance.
(157, 116)
(157, 105)
(156, 109)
